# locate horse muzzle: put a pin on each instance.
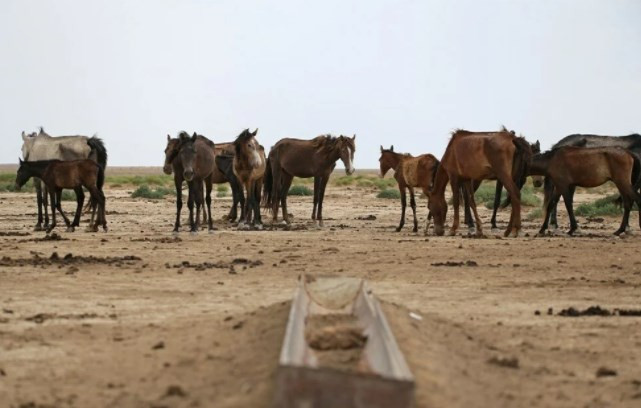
(167, 169)
(350, 171)
(188, 175)
(18, 187)
(439, 230)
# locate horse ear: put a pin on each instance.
(41, 131)
(354, 137)
(391, 148)
(20, 161)
(255, 131)
(382, 149)
(168, 138)
(24, 136)
(193, 137)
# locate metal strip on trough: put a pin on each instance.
(380, 377)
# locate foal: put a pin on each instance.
(567, 167)
(409, 172)
(74, 174)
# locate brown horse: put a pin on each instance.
(249, 167)
(220, 174)
(567, 167)
(72, 174)
(316, 158)
(474, 156)
(192, 159)
(409, 172)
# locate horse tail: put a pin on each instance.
(98, 147)
(636, 172)
(268, 183)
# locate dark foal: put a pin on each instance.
(566, 168)
(74, 174)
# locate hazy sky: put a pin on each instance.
(401, 72)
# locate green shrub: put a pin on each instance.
(145, 192)
(155, 179)
(602, 206)
(389, 193)
(300, 190)
(298, 180)
(535, 214)
(364, 183)
(384, 183)
(68, 195)
(221, 190)
(10, 187)
(344, 181)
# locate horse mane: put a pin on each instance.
(324, 142)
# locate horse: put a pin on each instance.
(249, 167)
(42, 146)
(316, 158)
(474, 156)
(73, 174)
(567, 167)
(521, 169)
(192, 159)
(631, 142)
(219, 175)
(409, 172)
(225, 164)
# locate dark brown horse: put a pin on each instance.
(192, 159)
(73, 174)
(568, 167)
(316, 158)
(222, 173)
(409, 172)
(475, 156)
(249, 167)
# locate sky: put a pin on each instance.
(405, 73)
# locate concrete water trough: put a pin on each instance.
(339, 350)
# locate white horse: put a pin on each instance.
(42, 146)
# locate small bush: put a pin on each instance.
(384, 183)
(300, 190)
(602, 206)
(344, 181)
(10, 187)
(389, 193)
(222, 190)
(535, 214)
(364, 183)
(157, 180)
(145, 192)
(298, 180)
(68, 195)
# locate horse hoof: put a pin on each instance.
(398, 229)
(211, 231)
(193, 233)
(258, 227)
(175, 233)
(37, 228)
(70, 229)
(495, 230)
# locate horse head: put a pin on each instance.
(347, 146)
(187, 154)
(247, 148)
(537, 181)
(387, 160)
(171, 151)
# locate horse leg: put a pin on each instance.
(52, 199)
(80, 199)
(198, 190)
(321, 197)
(258, 222)
(504, 175)
(286, 183)
(413, 205)
(469, 191)
(566, 192)
(316, 191)
(39, 200)
(403, 205)
(179, 202)
(190, 205)
(46, 195)
(555, 222)
(59, 208)
(208, 187)
(469, 221)
(497, 203)
(276, 189)
(456, 194)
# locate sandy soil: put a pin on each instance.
(154, 321)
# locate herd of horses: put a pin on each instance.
(263, 180)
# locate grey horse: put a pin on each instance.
(42, 146)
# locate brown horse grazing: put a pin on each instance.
(567, 167)
(219, 176)
(409, 172)
(473, 156)
(249, 167)
(316, 158)
(73, 174)
(192, 159)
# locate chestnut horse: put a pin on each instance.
(475, 156)
(316, 158)
(72, 174)
(409, 172)
(249, 167)
(567, 167)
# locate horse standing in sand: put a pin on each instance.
(409, 172)
(249, 167)
(221, 174)
(568, 167)
(475, 156)
(73, 174)
(316, 158)
(630, 142)
(42, 146)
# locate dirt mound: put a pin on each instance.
(69, 259)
